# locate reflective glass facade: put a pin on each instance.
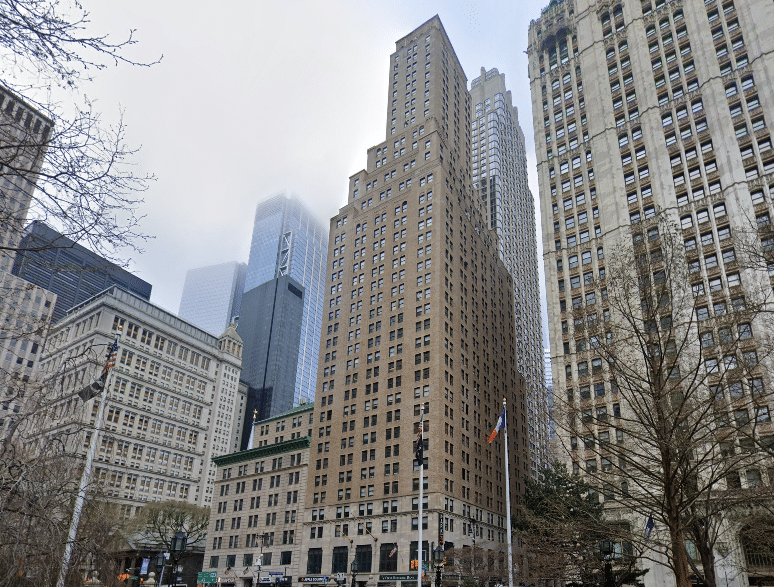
(289, 240)
(212, 296)
(54, 262)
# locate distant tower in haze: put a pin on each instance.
(212, 296)
(288, 241)
(499, 163)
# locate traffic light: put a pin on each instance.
(414, 564)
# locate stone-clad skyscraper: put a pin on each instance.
(499, 162)
(419, 310)
(25, 308)
(645, 110)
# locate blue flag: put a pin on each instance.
(649, 525)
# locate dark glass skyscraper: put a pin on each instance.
(271, 323)
(54, 262)
(289, 241)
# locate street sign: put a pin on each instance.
(207, 577)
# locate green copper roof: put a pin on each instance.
(292, 412)
(263, 451)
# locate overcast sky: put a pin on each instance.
(252, 98)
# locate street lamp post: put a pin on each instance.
(474, 530)
(353, 569)
(161, 562)
(438, 558)
(176, 550)
(263, 541)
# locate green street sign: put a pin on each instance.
(207, 577)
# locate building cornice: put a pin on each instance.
(263, 451)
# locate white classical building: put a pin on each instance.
(174, 398)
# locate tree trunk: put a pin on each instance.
(701, 538)
(679, 556)
(708, 564)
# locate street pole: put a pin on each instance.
(508, 499)
(419, 544)
(421, 462)
(80, 498)
(161, 574)
(473, 528)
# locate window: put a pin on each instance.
(314, 561)
(707, 340)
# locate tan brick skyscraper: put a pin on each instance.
(418, 309)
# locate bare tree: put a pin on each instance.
(58, 163)
(474, 565)
(36, 490)
(66, 166)
(158, 522)
(689, 410)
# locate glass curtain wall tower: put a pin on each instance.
(212, 296)
(289, 240)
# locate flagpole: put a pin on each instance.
(421, 491)
(251, 439)
(80, 498)
(508, 498)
